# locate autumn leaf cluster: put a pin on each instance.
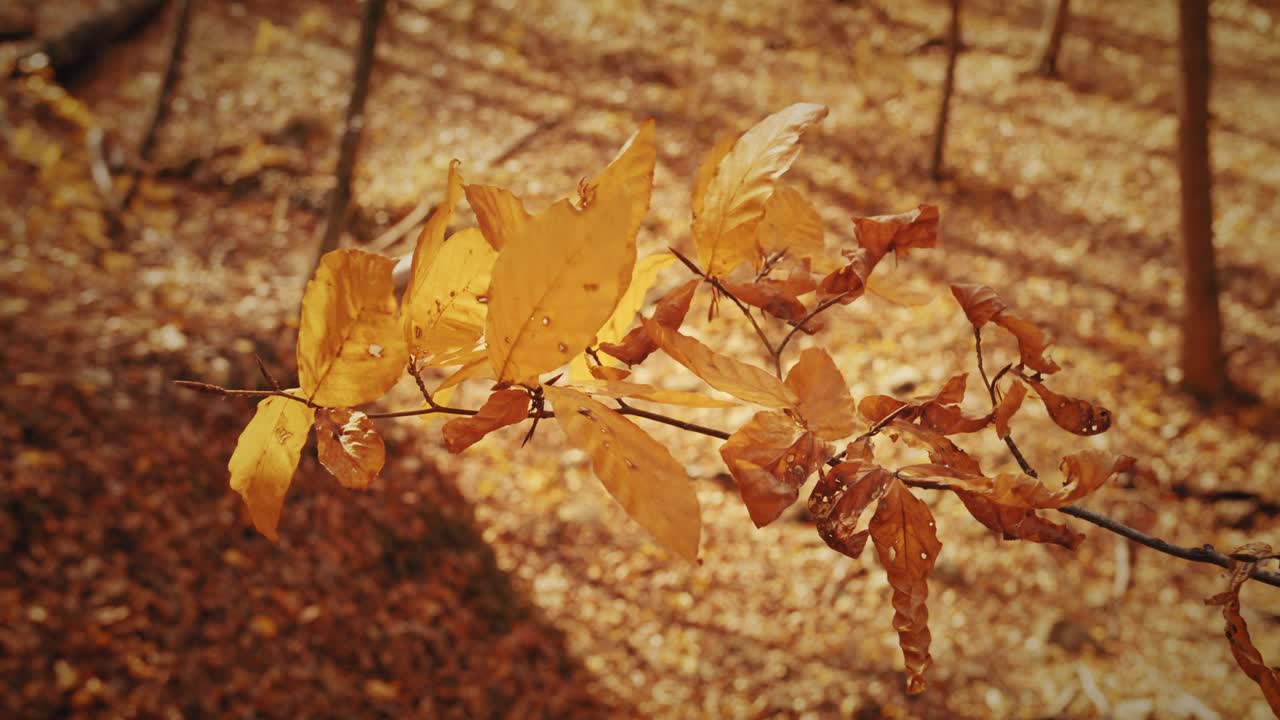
(549, 310)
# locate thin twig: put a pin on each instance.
(799, 325)
(719, 286)
(1205, 554)
(265, 372)
(991, 391)
(225, 392)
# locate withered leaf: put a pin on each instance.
(825, 405)
(1015, 523)
(898, 233)
(721, 372)
(640, 391)
(839, 499)
(906, 541)
(637, 470)
(503, 408)
(349, 446)
(669, 313)
(1007, 407)
(770, 457)
(1085, 472)
(771, 297)
(942, 451)
(266, 456)
(981, 305)
(1072, 414)
(876, 408)
(979, 302)
(1237, 631)
(729, 210)
(848, 282)
(350, 347)
(605, 372)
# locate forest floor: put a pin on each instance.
(506, 582)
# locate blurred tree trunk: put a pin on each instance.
(1203, 365)
(948, 83)
(336, 215)
(1055, 27)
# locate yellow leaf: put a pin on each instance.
(708, 169)
(350, 347)
(265, 457)
(721, 372)
(558, 278)
(734, 202)
(631, 171)
(432, 236)
(790, 223)
(637, 470)
(349, 446)
(825, 403)
(446, 313)
(642, 279)
(501, 215)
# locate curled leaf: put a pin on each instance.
(729, 210)
(669, 313)
(979, 302)
(849, 282)
(350, 346)
(898, 233)
(839, 499)
(605, 372)
(349, 446)
(1014, 523)
(770, 458)
(637, 470)
(907, 543)
(1072, 414)
(266, 456)
(503, 408)
(721, 372)
(1085, 472)
(825, 405)
(1237, 631)
(1009, 405)
(771, 297)
(875, 408)
(638, 391)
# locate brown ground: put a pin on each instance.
(135, 587)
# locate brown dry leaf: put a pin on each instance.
(907, 543)
(1072, 414)
(981, 305)
(1237, 631)
(637, 470)
(1018, 523)
(898, 233)
(770, 458)
(503, 408)
(771, 297)
(639, 391)
(1085, 472)
(728, 212)
(1009, 405)
(604, 372)
(825, 405)
(349, 446)
(790, 223)
(942, 450)
(721, 372)
(501, 214)
(979, 302)
(839, 499)
(350, 346)
(265, 457)
(876, 408)
(848, 282)
(559, 277)
(669, 313)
